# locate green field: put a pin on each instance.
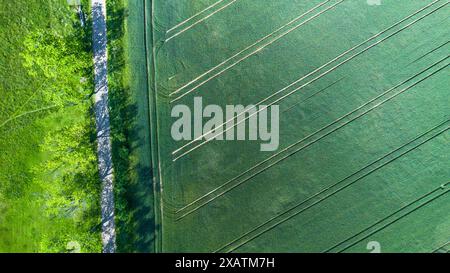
(49, 186)
(364, 119)
(363, 159)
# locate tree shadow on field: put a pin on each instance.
(135, 221)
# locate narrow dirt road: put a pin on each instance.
(103, 126)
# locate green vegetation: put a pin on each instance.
(130, 126)
(364, 126)
(357, 125)
(49, 186)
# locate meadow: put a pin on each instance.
(49, 186)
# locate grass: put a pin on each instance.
(130, 127)
(297, 204)
(48, 172)
(370, 133)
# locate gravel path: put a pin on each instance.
(103, 126)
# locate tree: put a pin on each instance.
(60, 63)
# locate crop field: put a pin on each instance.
(363, 93)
